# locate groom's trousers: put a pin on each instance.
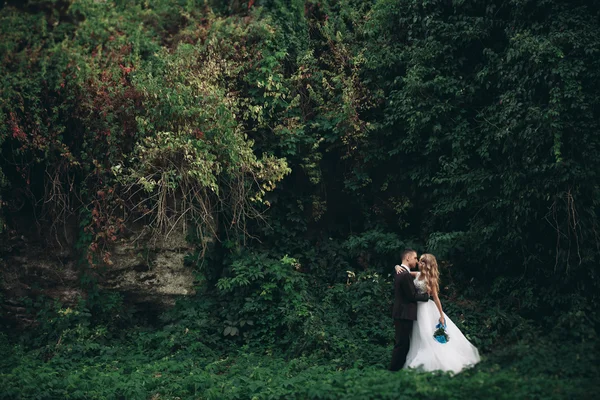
(403, 329)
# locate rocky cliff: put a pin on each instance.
(148, 273)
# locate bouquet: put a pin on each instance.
(440, 333)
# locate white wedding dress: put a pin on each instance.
(428, 354)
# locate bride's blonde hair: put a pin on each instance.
(429, 268)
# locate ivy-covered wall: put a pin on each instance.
(298, 146)
(461, 128)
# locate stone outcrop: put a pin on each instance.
(154, 273)
(149, 273)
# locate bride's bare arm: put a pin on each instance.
(438, 304)
(412, 273)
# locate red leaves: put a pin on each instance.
(104, 227)
(126, 70)
(17, 132)
(198, 134)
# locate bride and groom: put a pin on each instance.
(417, 311)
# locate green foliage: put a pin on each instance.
(352, 321)
(376, 249)
(456, 128)
(471, 129)
(57, 325)
(264, 299)
(132, 129)
(124, 368)
(464, 128)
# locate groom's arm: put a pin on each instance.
(408, 287)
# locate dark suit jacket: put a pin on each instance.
(406, 297)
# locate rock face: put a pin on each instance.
(27, 271)
(149, 274)
(154, 274)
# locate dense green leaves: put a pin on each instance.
(306, 143)
(456, 125)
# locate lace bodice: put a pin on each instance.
(420, 285)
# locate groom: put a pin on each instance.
(405, 307)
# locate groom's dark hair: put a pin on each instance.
(406, 252)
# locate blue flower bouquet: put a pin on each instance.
(440, 334)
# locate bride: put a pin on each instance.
(425, 352)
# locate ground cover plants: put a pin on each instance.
(300, 146)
